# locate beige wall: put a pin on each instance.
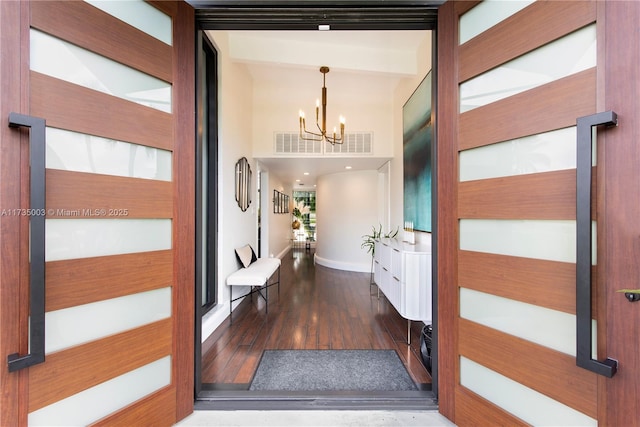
(401, 94)
(236, 228)
(346, 209)
(277, 231)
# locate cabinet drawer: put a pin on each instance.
(385, 256)
(396, 264)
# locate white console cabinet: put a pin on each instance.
(403, 273)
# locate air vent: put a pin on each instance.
(355, 143)
(290, 143)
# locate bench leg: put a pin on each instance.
(257, 289)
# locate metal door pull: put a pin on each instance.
(37, 150)
(584, 325)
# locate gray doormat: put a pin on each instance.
(327, 370)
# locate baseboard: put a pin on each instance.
(213, 319)
(339, 265)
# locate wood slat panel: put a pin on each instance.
(13, 233)
(521, 33)
(445, 236)
(473, 410)
(184, 30)
(463, 6)
(168, 7)
(92, 29)
(86, 280)
(552, 106)
(89, 195)
(71, 371)
(550, 195)
(157, 409)
(98, 113)
(547, 371)
(620, 333)
(544, 283)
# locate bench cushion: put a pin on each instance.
(257, 274)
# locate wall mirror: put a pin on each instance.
(243, 183)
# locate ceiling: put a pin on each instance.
(290, 58)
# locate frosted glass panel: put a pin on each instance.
(99, 401)
(84, 238)
(550, 240)
(549, 328)
(65, 61)
(487, 14)
(139, 14)
(539, 409)
(80, 152)
(571, 54)
(83, 323)
(544, 152)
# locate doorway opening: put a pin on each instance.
(217, 394)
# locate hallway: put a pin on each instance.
(317, 308)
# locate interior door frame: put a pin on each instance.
(339, 15)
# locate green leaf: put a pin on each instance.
(369, 240)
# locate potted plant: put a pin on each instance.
(369, 242)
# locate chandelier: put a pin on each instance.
(322, 135)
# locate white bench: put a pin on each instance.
(257, 276)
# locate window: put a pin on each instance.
(305, 211)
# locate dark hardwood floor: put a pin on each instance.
(317, 308)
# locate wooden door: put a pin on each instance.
(111, 334)
(513, 79)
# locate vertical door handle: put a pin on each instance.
(584, 336)
(36, 212)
